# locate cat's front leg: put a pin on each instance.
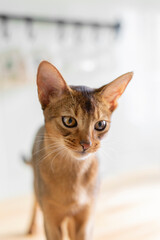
(84, 224)
(52, 232)
(86, 231)
(52, 222)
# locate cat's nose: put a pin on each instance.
(85, 145)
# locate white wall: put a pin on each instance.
(133, 141)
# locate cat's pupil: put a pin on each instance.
(100, 124)
(70, 120)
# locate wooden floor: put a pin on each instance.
(128, 209)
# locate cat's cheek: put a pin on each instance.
(101, 135)
(96, 146)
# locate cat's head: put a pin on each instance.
(78, 117)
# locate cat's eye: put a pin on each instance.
(69, 122)
(101, 125)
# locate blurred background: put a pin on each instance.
(91, 43)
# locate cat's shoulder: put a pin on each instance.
(38, 139)
(40, 132)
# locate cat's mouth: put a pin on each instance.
(81, 155)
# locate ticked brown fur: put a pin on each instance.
(64, 160)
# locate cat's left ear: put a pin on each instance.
(112, 91)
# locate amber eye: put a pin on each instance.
(69, 122)
(101, 125)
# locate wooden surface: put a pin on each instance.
(128, 209)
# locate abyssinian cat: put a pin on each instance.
(64, 153)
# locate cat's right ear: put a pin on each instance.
(49, 82)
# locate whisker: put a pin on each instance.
(48, 138)
(48, 154)
(59, 152)
(48, 147)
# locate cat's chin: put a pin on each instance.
(82, 156)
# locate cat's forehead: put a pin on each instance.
(86, 103)
(84, 97)
(80, 102)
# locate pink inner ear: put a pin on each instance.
(49, 82)
(112, 91)
(112, 101)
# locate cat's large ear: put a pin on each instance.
(49, 82)
(112, 91)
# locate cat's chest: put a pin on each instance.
(71, 191)
(67, 185)
(82, 197)
(75, 200)
(68, 192)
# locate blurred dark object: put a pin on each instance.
(60, 22)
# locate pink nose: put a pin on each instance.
(85, 145)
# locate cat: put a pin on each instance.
(64, 157)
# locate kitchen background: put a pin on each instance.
(84, 55)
